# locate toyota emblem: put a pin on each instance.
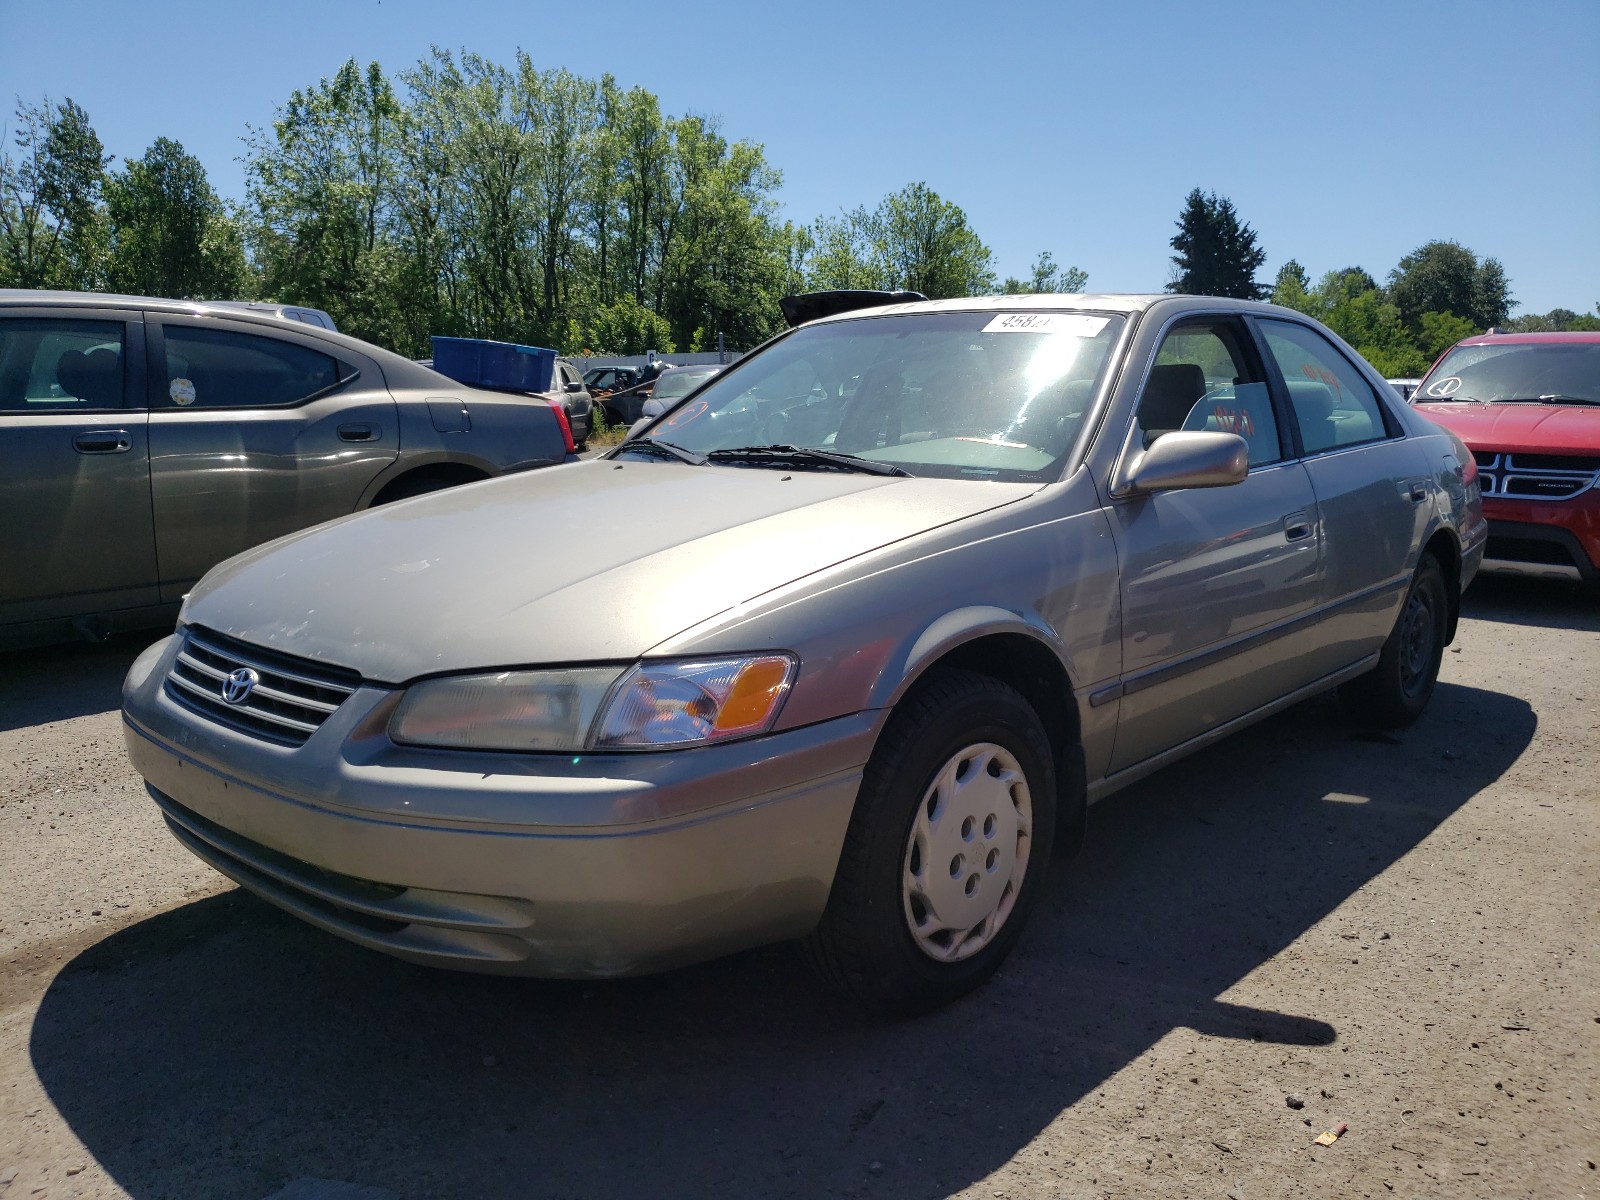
(236, 688)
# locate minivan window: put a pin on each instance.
(60, 366)
(218, 368)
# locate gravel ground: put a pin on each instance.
(1301, 929)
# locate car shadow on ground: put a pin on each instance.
(54, 683)
(224, 1049)
(1549, 602)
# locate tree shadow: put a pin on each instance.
(54, 683)
(224, 1049)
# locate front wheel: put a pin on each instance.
(1394, 693)
(946, 851)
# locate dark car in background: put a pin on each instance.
(1528, 406)
(673, 385)
(602, 381)
(142, 441)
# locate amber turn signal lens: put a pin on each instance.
(755, 693)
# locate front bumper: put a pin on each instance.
(1546, 532)
(561, 866)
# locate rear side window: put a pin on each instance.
(218, 368)
(1333, 405)
(60, 366)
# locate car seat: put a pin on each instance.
(1169, 394)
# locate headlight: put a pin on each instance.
(685, 703)
(652, 705)
(510, 710)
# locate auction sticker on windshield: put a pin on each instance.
(1069, 324)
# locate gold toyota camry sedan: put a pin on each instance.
(837, 649)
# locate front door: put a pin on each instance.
(1215, 581)
(255, 434)
(76, 537)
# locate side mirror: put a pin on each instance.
(575, 386)
(1186, 460)
(637, 427)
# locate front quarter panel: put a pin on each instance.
(867, 630)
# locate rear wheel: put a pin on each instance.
(1394, 693)
(947, 847)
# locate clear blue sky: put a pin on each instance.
(1346, 134)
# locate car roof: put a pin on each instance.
(399, 369)
(1575, 337)
(1116, 302)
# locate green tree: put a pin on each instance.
(169, 233)
(913, 240)
(1047, 279)
(321, 184)
(625, 327)
(1216, 254)
(1292, 287)
(1557, 320)
(52, 229)
(1445, 276)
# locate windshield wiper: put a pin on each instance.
(1549, 398)
(805, 454)
(666, 448)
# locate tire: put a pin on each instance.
(933, 832)
(1394, 693)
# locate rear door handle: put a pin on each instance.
(1296, 527)
(1417, 489)
(103, 441)
(358, 433)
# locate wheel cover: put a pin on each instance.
(1417, 633)
(967, 854)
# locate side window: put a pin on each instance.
(60, 366)
(1333, 405)
(218, 368)
(1204, 379)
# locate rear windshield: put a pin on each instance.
(986, 395)
(1530, 372)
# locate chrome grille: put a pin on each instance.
(289, 701)
(1535, 476)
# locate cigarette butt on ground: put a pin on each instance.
(1329, 1136)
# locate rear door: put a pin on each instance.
(76, 535)
(254, 433)
(1373, 488)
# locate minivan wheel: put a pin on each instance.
(946, 850)
(1394, 693)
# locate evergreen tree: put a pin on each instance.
(1216, 254)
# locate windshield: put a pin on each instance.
(1529, 371)
(984, 395)
(680, 383)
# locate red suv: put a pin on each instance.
(1528, 407)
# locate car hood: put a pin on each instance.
(1521, 428)
(595, 561)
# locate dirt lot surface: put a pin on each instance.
(1301, 929)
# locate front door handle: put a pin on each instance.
(358, 433)
(103, 441)
(1296, 527)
